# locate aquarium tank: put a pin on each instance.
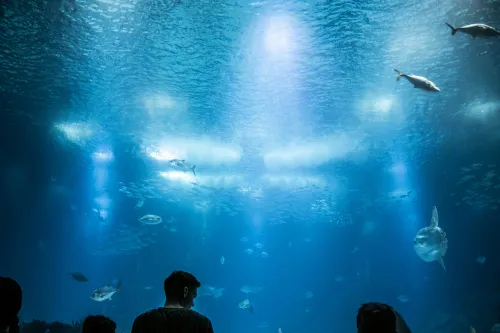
(299, 157)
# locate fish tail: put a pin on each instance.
(194, 173)
(441, 262)
(400, 75)
(453, 29)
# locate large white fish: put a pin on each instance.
(183, 166)
(476, 30)
(151, 219)
(419, 82)
(106, 292)
(431, 243)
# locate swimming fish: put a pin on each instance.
(210, 291)
(183, 166)
(106, 292)
(431, 243)
(79, 277)
(419, 82)
(476, 30)
(245, 304)
(151, 219)
(264, 254)
(222, 260)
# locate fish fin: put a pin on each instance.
(400, 75)
(441, 262)
(472, 329)
(194, 173)
(434, 218)
(453, 29)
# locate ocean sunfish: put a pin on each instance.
(431, 243)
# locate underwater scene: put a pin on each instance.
(300, 158)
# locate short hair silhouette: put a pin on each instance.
(11, 300)
(174, 285)
(98, 324)
(376, 317)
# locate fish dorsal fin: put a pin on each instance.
(434, 218)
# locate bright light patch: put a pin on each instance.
(481, 110)
(179, 176)
(159, 101)
(75, 132)
(278, 35)
(102, 156)
(161, 155)
(292, 181)
(103, 201)
(398, 169)
(205, 151)
(312, 154)
(383, 105)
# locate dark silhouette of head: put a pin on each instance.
(98, 324)
(376, 318)
(11, 300)
(181, 288)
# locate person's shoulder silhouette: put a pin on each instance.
(176, 316)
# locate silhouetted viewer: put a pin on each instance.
(11, 300)
(176, 316)
(98, 324)
(380, 318)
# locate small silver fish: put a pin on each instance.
(150, 219)
(431, 243)
(475, 30)
(105, 293)
(419, 82)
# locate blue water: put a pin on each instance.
(303, 141)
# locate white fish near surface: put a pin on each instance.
(150, 219)
(431, 243)
(249, 251)
(182, 165)
(475, 30)
(419, 82)
(106, 292)
(259, 245)
(222, 260)
(251, 289)
(264, 254)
